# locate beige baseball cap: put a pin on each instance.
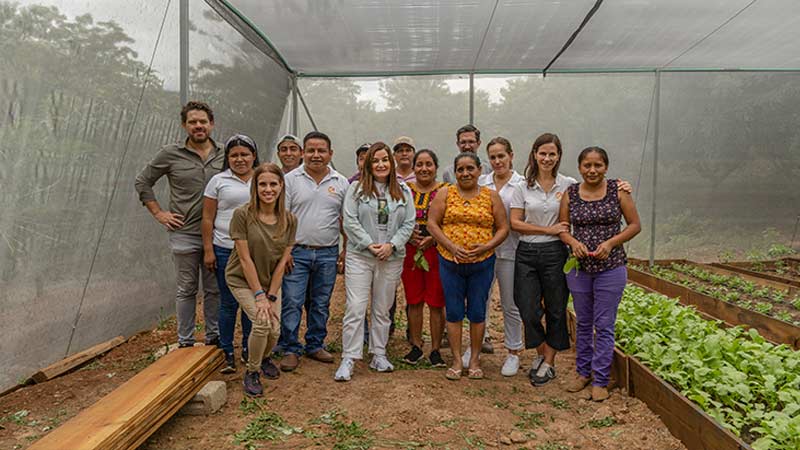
(404, 140)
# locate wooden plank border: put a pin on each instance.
(65, 365)
(772, 329)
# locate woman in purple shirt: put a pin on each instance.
(594, 210)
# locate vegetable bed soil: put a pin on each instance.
(786, 270)
(780, 304)
(414, 407)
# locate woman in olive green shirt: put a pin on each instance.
(263, 233)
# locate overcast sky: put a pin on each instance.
(141, 20)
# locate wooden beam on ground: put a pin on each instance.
(126, 417)
(65, 365)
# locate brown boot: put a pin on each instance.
(321, 355)
(599, 393)
(289, 362)
(578, 383)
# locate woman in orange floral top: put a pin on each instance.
(468, 221)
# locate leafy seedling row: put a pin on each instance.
(750, 386)
(732, 289)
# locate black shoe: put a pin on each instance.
(413, 356)
(269, 369)
(245, 356)
(436, 359)
(541, 377)
(186, 344)
(230, 364)
(486, 346)
(252, 384)
(214, 342)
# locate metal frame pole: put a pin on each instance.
(183, 11)
(656, 129)
(295, 110)
(472, 98)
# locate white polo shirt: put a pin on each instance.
(317, 207)
(230, 192)
(508, 249)
(540, 207)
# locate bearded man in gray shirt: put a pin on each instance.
(188, 166)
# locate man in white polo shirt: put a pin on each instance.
(315, 195)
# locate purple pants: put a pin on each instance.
(596, 297)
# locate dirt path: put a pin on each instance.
(410, 408)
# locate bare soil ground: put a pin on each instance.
(414, 407)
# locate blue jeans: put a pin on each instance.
(318, 266)
(472, 281)
(228, 306)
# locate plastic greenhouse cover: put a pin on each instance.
(384, 37)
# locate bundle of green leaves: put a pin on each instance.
(749, 385)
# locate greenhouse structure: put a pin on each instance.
(696, 102)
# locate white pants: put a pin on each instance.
(512, 322)
(365, 275)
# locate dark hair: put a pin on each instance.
(196, 106)
(240, 140)
(585, 152)
(317, 135)
(461, 155)
(367, 181)
(363, 148)
(532, 169)
(505, 143)
(427, 151)
(468, 129)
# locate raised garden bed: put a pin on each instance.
(743, 390)
(714, 388)
(786, 270)
(729, 298)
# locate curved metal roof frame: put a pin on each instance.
(376, 38)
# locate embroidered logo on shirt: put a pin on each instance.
(331, 190)
(559, 195)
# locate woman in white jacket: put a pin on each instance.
(379, 216)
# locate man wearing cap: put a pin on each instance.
(289, 152)
(361, 155)
(404, 158)
(315, 195)
(468, 139)
(188, 166)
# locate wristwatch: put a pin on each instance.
(272, 298)
(394, 249)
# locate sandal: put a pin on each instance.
(452, 374)
(475, 374)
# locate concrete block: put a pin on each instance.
(207, 401)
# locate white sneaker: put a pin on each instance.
(345, 370)
(466, 357)
(381, 364)
(510, 366)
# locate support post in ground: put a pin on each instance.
(653, 203)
